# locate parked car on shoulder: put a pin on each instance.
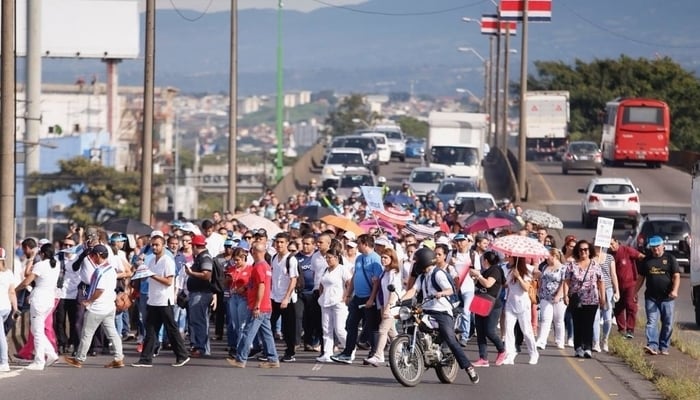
(581, 155)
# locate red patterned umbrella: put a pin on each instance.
(519, 246)
(372, 223)
(394, 215)
(486, 224)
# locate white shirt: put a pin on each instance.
(333, 285)
(425, 283)
(318, 265)
(108, 283)
(159, 294)
(518, 300)
(215, 244)
(7, 279)
(461, 262)
(88, 267)
(44, 292)
(71, 279)
(391, 277)
(280, 278)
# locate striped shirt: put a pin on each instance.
(605, 267)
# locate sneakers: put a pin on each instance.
(262, 358)
(540, 346)
(270, 364)
(363, 345)
(374, 361)
(323, 359)
(473, 376)
(664, 352)
(51, 360)
(235, 363)
(35, 367)
(579, 353)
(115, 364)
(181, 362)
(141, 364)
(606, 348)
(288, 359)
(196, 353)
(4, 368)
(509, 359)
(650, 350)
(534, 358)
(481, 363)
(596, 348)
(587, 354)
(73, 361)
(570, 342)
(342, 358)
(499, 359)
(629, 335)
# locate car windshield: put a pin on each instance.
(392, 134)
(474, 204)
(345, 159)
(366, 144)
(452, 187)
(355, 180)
(427, 176)
(583, 148)
(454, 155)
(380, 139)
(610, 188)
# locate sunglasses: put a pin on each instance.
(247, 237)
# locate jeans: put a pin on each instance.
(238, 315)
(486, 328)
(90, 323)
(371, 317)
(3, 337)
(198, 309)
(447, 332)
(465, 318)
(157, 318)
(180, 315)
(606, 314)
(252, 326)
(659, 310)
(142, 306)
(119, 323)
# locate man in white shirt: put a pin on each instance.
(161, 298)
(283, 294)
(462, 258)
(99, 308)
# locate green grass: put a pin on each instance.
(681, 342)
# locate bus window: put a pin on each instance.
(642, 115)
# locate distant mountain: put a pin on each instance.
(394, 43)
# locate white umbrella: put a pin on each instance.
(252, 221)
(543, 219)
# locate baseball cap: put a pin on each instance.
(229, 243)
(255, 203)
(569, 238)
(461, 236)
(244, 245)
(117, 237)
(3, 254)
(261, 232)
(352, 244)
(451, 203)
(191, 228)
(349, 235)
(100, 250)
(429, 243)
(382, 241)
(655, 241)
(156, 234)
(199, 240)
(443, 240)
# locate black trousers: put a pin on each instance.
(289, 324)
(157, 317)
(311, 320)
(220, 315)
(66, 335)
(584, 318)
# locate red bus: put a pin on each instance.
(636, 130)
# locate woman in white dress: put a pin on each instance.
(8, 305)
(334, 310)
(42, 301)
(518, 308)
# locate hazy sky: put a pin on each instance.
(223, 5)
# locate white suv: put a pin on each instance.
(395, 138)
(615, 198)
(340, 161)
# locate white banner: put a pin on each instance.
(373, 197)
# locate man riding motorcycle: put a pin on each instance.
(436, 303)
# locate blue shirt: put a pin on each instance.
(367, 266)
(306, 269)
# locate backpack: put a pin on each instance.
(455, 299)
(299, 287)
(217, 281)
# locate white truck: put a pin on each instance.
(547, 123)
(456, 144)
(695, 243)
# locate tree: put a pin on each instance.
(95, 190)
(413, 127)
(340, 121)
(593, 84)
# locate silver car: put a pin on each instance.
(582, 156)
(425, 179)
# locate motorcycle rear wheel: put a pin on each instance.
(406, 366)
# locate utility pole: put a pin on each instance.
(497, 87)
(233, 110)
(148, 89)
(280, 97)
(7, 139)
(32, 118)
(489, 91)
(522, 163)
(504, 118)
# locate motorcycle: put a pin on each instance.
(419, 347)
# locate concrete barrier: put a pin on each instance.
(307, 167)
(499, 176)
(683, 160)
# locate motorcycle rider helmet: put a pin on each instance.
(382, 179)
(422, 259)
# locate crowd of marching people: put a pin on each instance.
(321, 285)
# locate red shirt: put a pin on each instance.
(261, 273)
(239, 277)
(626, 266)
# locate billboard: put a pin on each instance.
(104, 29)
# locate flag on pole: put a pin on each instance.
(537, 10)
(490, 25)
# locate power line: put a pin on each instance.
(406, 14)
(188, 19)
(620, 35)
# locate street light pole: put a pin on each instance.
(148, 95)
(233, 110)
(489, 97)
(522, 174)
(497, 141)
(280, 100)
(504, 130)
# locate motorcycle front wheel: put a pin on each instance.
(448, 369)
(406, 365)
